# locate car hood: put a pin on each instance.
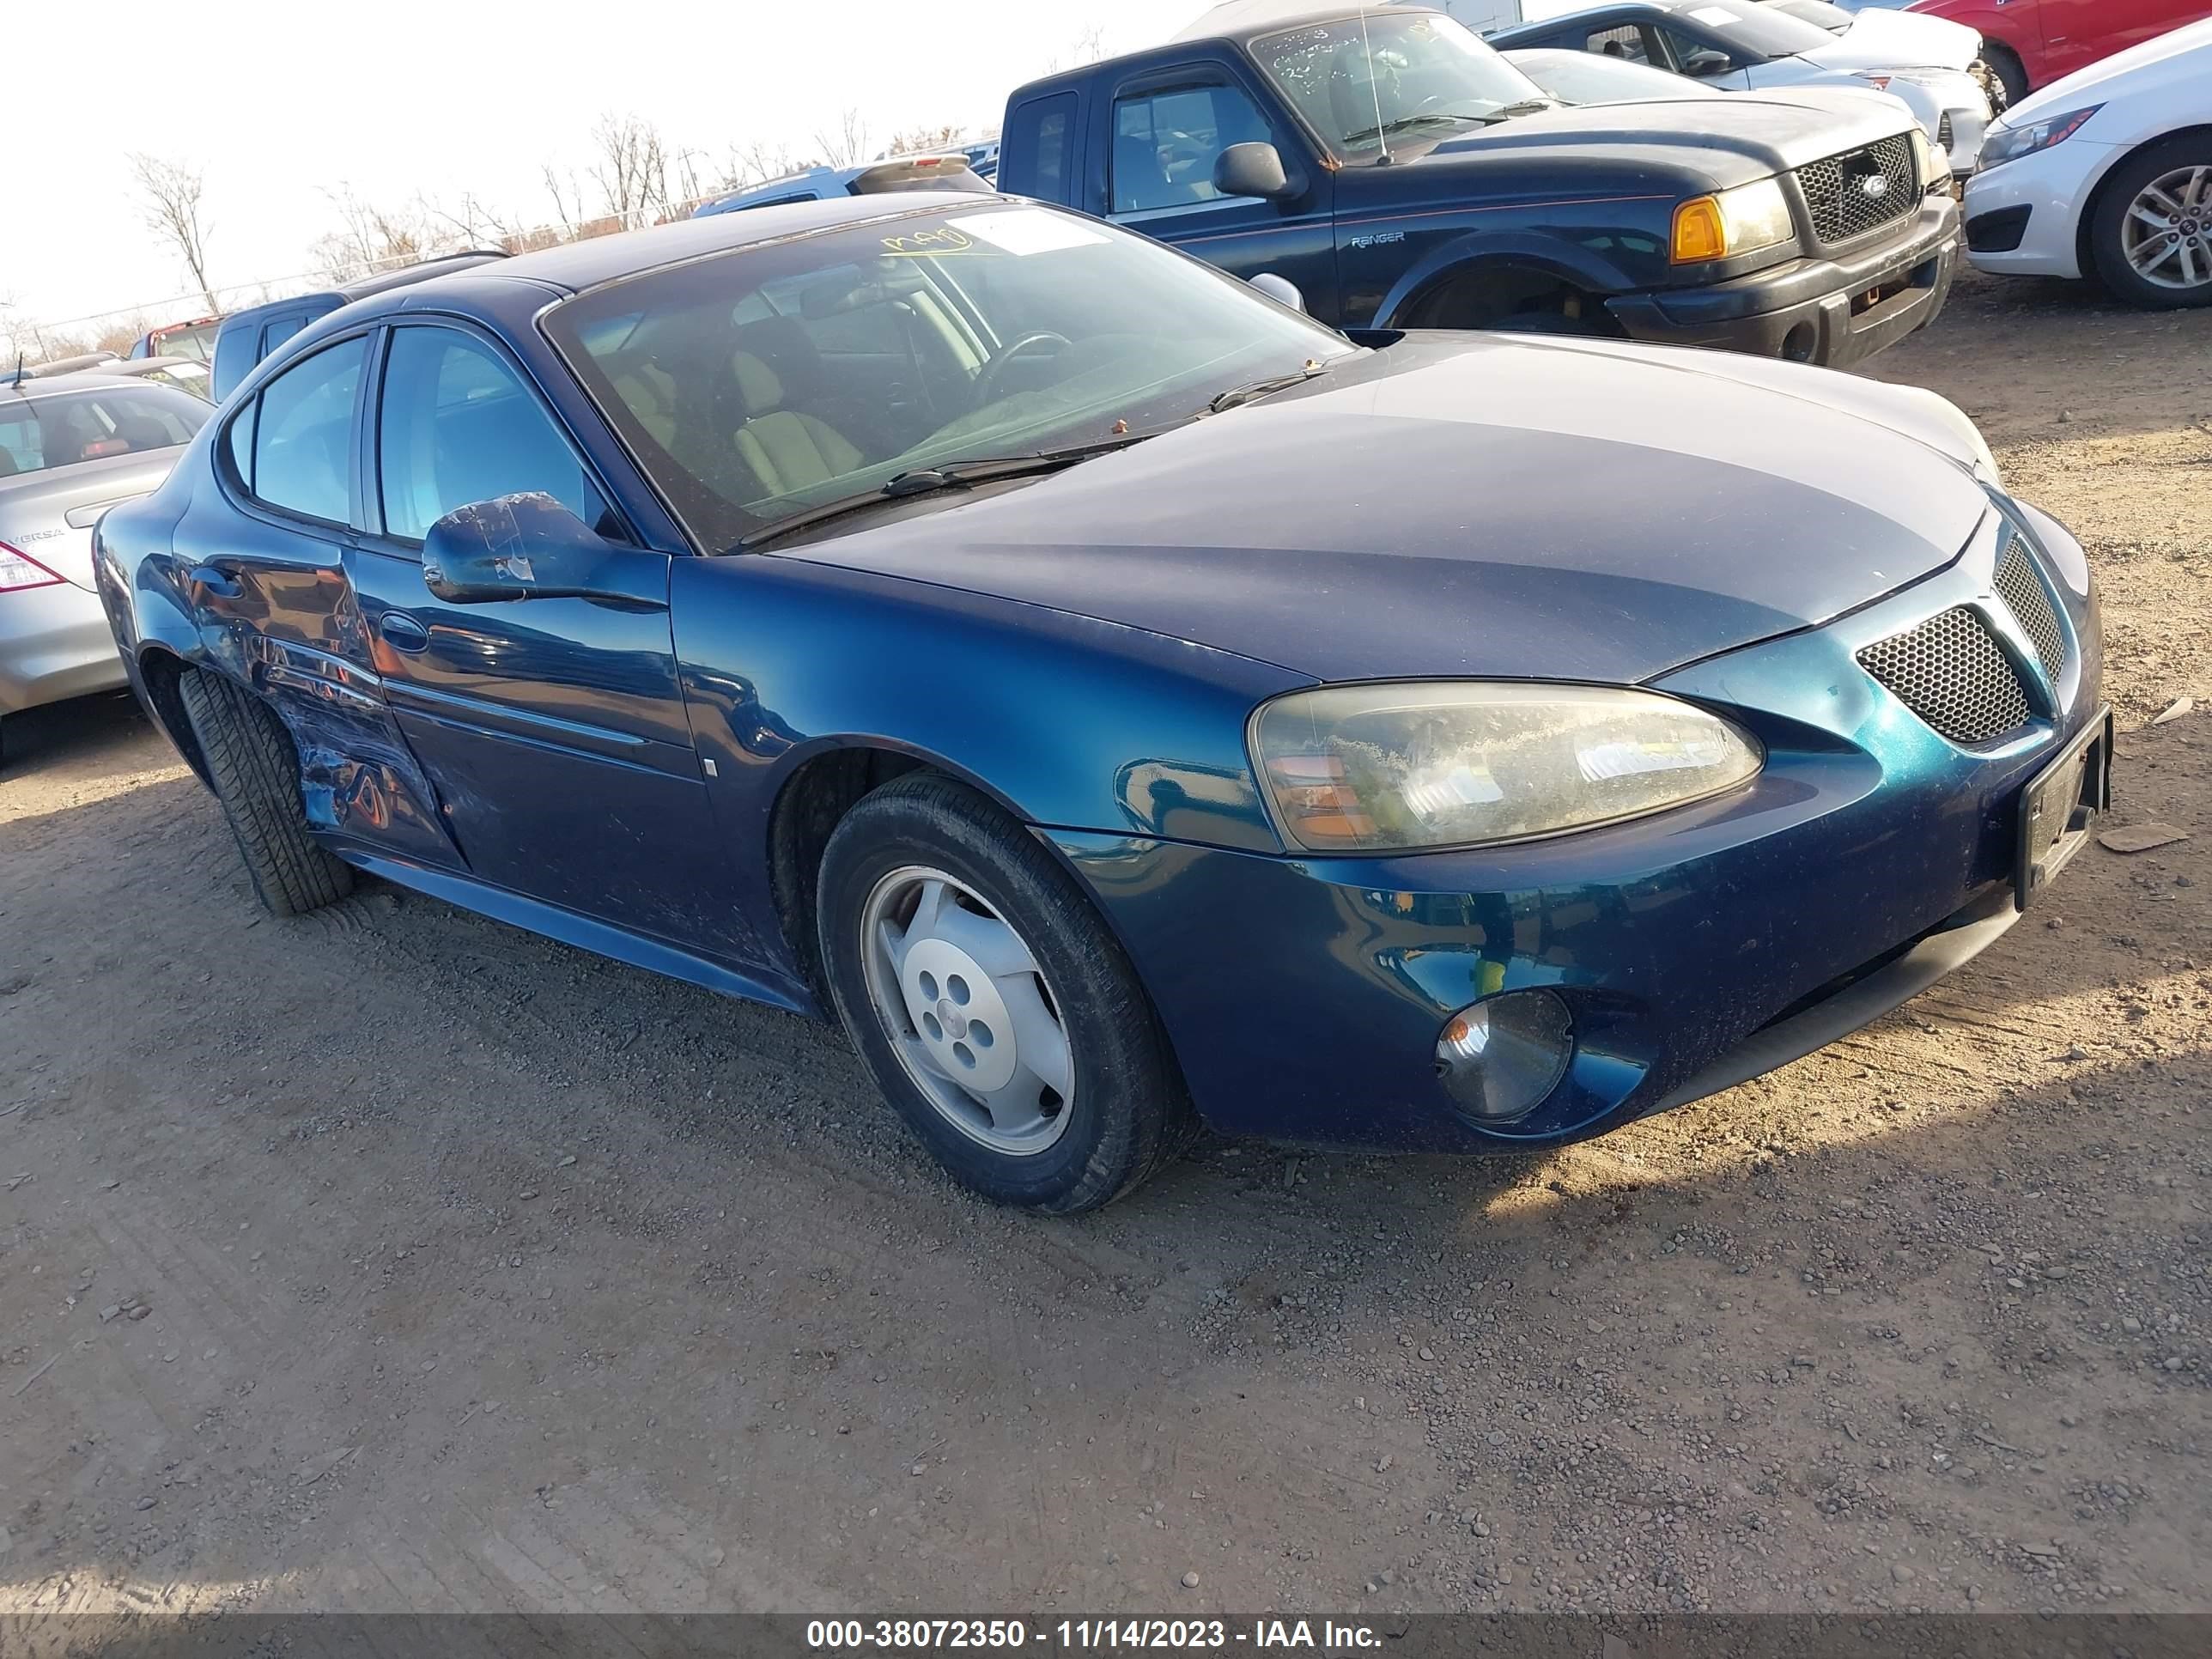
(1726, 138)
(1899, 40)
(48, 515)
(1476, 505)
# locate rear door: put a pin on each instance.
(266, 581)
(554, 730)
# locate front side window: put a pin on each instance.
(1372, 85)
(1165, 143)
(456, 427)
(67, 427)
(758, 382)
(1631, 43)
(303, 439)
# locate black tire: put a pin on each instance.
(2012, 79)
(256, 774)
(1130, 1111)
(2119, 190)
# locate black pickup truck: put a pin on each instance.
(1401, 174)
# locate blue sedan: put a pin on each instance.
(1118, 700)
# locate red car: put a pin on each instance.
(2032, 43)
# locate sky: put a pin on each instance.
(278, 102)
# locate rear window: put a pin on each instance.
(40, 434)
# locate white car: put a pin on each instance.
(2106, 171)
(1744, 46)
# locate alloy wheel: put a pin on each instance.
(968, 1011)
(2167, 233)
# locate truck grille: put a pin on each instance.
(1842, 199)
(2021, 589)
(1951, 672)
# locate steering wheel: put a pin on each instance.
(986, 383)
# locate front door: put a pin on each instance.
(553, 729)
(1166, 132)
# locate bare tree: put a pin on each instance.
(170, 194)
(757, 162)
(370, 238)
(632, 171)
(568, 199)
(922, 141)
(847, 145)
(1088, 46)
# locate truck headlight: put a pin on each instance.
(1382, 768)
(1929, 167)
(1739, 221)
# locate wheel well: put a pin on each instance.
(813, 800)
(2082, 253)
(160, 670)
(1482, 296)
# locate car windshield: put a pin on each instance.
(760, 382)
(38, 434)
(1819, 13)
(1368, 85)
(1584, 77)
(1755, 31)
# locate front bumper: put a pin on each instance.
(2025, 215)
(1304, 996)
(55, 643)
(1812, 311)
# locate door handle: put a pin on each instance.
(403, 632)
(217, 581)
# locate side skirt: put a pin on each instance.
(534, 915)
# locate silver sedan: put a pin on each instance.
(71, 447)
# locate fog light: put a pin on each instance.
(1499, 1058)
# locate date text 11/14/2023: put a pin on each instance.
(1074, 1635)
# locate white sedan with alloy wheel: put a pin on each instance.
(2107, 172)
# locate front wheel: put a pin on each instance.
(2151, 237)
(990, 1004)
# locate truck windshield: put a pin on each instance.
(1367, 85)
(756, 384)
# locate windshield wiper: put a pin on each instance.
(929, 480)
(1252, 390)
(1407, 123)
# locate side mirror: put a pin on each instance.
(1254, 169)
(1280, 289)
(516, 547)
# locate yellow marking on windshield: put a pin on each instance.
(941, 239)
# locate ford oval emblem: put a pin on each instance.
(1876, 185)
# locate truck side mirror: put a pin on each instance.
(1281, 289)
(1254, 169)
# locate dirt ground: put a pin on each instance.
(395, 1260)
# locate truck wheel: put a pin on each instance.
(2003, 64)
(256, 774)
(991, 1005)
(2150, 235)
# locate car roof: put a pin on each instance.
(346, 293)
(575, 267)
(82, 380)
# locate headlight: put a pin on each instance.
(1371, 768)
(1928, 166)
(2001, 143)
(1738, 220)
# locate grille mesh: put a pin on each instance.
(2019, 587)
(1951, 672)
(1836, 197)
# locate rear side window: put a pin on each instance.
(275, 334)
(457, 427)
(45, 432)
(1039, 134)
(302, 439)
